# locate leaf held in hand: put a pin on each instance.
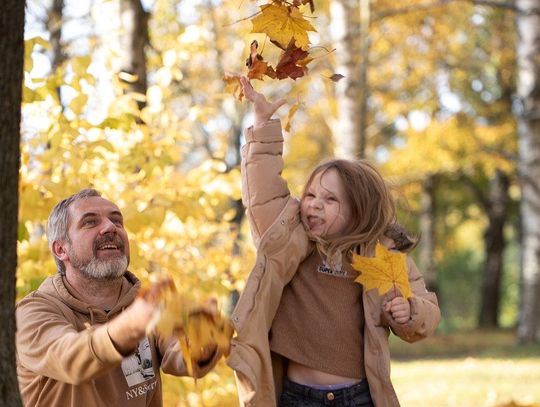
(200, 330)
(197, 327)
(386, 271)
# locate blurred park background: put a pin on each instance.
(127, 96)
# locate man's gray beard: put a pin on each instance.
(109, 269)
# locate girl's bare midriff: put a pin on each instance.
(306, 375)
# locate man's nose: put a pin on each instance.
(107, 226)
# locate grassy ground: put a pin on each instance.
(469, 369)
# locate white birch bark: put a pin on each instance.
(350, 35)
(528, 117)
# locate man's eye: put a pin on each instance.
(89, 222)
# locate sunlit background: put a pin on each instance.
(429, 93)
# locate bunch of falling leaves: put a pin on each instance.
(197, 327)
(384, 272)
(285, 26)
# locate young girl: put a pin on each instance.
(307, 334)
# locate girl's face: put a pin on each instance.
(325, 209)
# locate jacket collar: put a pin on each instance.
(56, 286)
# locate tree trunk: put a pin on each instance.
(528, 117)
(351, 91)
(495, 243)
(133, 40)
(11, 76)
(54, 26)
(427, 232)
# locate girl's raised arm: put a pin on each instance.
(264, 192)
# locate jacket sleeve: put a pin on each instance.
(49, 345)
(264, 192)
(425, 312)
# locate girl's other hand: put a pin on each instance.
(399, 308)
(262, 108)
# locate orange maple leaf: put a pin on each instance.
(386, 271)
(256, 64)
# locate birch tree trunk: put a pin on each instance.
(351, 39)
(11, 76)
(528, 117)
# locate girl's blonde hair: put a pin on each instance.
(372, 207)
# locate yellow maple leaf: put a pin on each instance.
(292, 112)
(386, 271)
(195, 326)
(232, 85)
(281, 24)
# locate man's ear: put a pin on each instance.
(59, 249)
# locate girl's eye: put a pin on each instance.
(310, 195)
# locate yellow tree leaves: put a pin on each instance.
(282, 24)
(386, 271)
(286, 27)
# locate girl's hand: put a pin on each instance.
(399, 308)
(262, 108)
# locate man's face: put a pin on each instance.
(99, 246)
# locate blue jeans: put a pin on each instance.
(298, 395)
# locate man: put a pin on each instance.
(81, 338)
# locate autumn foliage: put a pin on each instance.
(286, 27)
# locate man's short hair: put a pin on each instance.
(58, 222)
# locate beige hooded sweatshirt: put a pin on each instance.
(65, 356)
